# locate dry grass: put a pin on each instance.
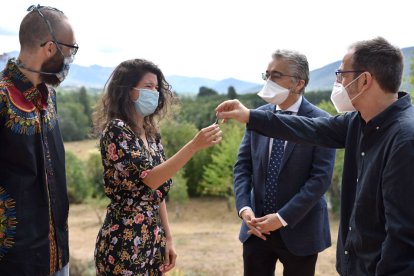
(83, 149)
(205, 236)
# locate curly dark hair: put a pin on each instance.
(116, 103)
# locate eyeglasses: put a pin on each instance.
(275, 75)
(73, 48)
(339, 73)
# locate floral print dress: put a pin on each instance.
(131, 240)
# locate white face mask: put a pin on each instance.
(340, 97)
(273, 93)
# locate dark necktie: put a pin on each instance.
(276, 156)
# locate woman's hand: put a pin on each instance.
(170, 256)
(207, 137)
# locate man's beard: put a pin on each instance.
(53, 65)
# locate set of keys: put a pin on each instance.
(219, 121)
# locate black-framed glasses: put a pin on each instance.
(73, 48)
(339, 73)
(275, 75)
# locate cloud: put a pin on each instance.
(109, 50)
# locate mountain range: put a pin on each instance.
(321, 79)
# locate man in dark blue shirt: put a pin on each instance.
(34, 203)
(376, 234)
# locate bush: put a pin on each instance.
(75, 178)
(334, 191)
(94, 174)
(178, 192)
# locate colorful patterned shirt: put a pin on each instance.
(34, 204)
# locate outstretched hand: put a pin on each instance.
(233, 109)
(207, 137)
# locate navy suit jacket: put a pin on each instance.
(305, 175)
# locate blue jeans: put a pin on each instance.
(63, 272)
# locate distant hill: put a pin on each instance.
(322, 78)
(408, 57)
(94, 76)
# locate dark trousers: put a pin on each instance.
(260, 257)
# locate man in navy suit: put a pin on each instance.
(279, 186)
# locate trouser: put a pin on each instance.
(63, 272)
(260, 258)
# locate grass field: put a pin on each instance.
(205, 235)
(83, 148)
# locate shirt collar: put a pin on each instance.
(294, 108)
(392, 112)
(38, 96)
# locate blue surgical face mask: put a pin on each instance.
(147, 101)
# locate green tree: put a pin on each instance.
(94, 176)
(194, 170)
(231, 93)
(334, 191)
(179, 192)
(74, 124)
(75, 178)
(205, 91)
(316, 97)
(251, 100)
(174, 136)
(84, 101)
(218, 175)
(198, 111)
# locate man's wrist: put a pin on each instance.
(242, 210)
(282, 221)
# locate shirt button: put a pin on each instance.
(346, 252)
(362, 153)
(377, 128)
(350, 228)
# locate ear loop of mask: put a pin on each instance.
(360, 93)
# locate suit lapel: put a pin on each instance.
(265, 140)
(304, 110)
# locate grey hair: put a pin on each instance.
(298, 64)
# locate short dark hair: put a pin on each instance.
(34, 29)
(116, 100)
(383, 60)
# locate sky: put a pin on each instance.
(218, 39)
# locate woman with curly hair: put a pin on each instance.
(135, 238)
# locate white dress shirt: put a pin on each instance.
(294, 108)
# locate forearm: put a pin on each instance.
(164, 171)
(164, 219)
(323, 131)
